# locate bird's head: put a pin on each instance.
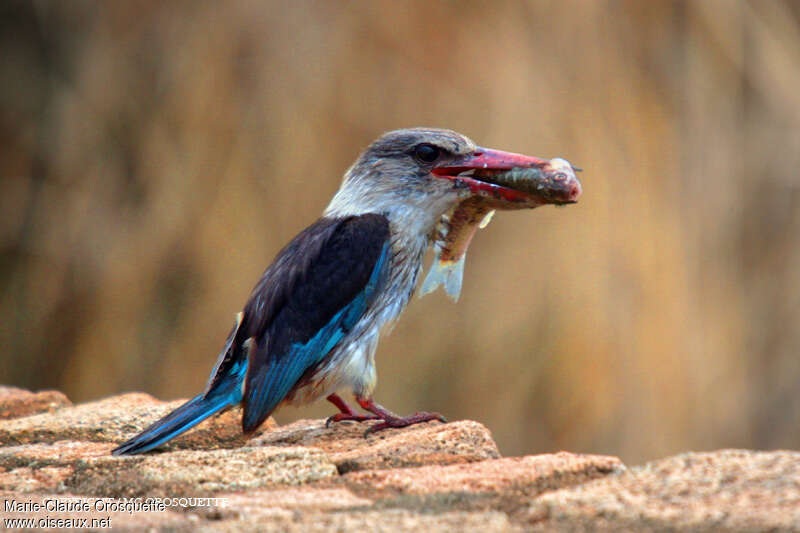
(423, 172)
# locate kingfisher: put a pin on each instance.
(311, 325)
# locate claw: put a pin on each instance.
(346, 413)
(388, 418)
(401, 422)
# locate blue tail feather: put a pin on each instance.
(181, 419)
(226, 392)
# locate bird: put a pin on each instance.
(311, 325)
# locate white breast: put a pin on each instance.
(412, 217)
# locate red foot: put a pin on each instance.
(391, 420)
(401, 422)
(347, 412)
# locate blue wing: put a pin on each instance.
(328, 294)
(314, 292)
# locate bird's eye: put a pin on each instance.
(427, 153)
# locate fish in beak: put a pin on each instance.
(514, 181)
(497, 180)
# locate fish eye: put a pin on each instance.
(427, 153)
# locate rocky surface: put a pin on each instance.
(16, 402)
(345, 444)
(306, 477)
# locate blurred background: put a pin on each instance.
(156, 155)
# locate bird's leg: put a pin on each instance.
(391, 420)
(347, 412)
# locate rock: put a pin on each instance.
(15, 402)
(98, 509)
(726, 490)
(377, 521)
(529, 475)
(59, 453)
(45, 467)
(88, 468)
(255, 502)
(118, 418)
(35, 479)
(200, 472)
(288, 521)
(267, 506)
(306, 477)
(431, 443)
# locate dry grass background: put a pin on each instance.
(156, 155)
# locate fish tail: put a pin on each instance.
(446, 273)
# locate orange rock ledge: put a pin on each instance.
(306, 477)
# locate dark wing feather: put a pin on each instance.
(315, 294)
(270, 295)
